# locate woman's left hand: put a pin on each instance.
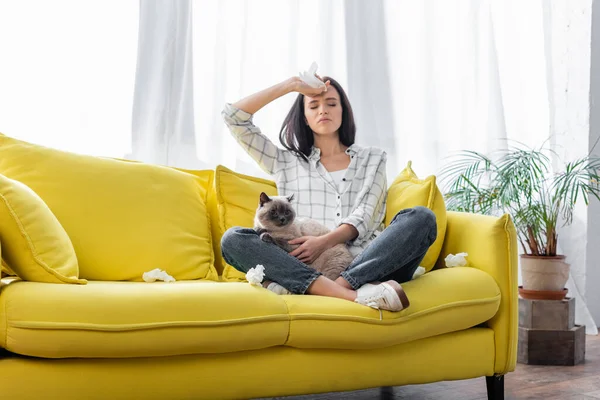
(311, 247)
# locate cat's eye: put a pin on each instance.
(287, 212)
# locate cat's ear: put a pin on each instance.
(264, 198)
(290, 197)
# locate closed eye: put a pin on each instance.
(330, 105)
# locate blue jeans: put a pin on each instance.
(394, 254)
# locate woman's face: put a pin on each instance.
(324, 112)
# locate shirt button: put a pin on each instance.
(338, 197)
(338, 214)
(344, 179)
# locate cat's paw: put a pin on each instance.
(266, 237)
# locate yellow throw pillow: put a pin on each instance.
(408, 191)
(5, 270)
(36, 247)
(124, 218)
(237, 199)
(208, 181)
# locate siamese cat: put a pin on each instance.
(276, 222)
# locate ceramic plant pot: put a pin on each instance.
(544, 273)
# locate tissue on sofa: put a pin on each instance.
(255, 275)
(456, 260)
(157, 275)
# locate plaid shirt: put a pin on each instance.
(359, 201)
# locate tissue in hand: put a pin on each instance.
(255, 275)
(157, 275)
(457, 260)
(309, 77)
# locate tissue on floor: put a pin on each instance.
(157, 275)
(255, 275)
(457, 260)
(309, 77)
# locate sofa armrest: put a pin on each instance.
(1, 264)
(491, 243)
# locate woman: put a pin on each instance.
(336, 182)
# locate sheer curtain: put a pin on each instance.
(424, 78)
(67, 72)
(163, 122)
(466, 75)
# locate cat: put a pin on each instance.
(275, 221)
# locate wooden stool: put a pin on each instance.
(548, 334)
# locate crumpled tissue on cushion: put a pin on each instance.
(157, 275)
(457, 260)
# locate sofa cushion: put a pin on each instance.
(237, 199)
(442, 301)
(407, 191)
(36, 246)
(124, 218)
(138, 319)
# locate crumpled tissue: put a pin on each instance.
(255, 275)
(418, 272)
(157, 275)
(457, 260)
(309, 77)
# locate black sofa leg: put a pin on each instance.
(495, 387)
(386, 393)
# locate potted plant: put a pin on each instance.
(519, 181)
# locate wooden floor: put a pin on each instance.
(581, 382)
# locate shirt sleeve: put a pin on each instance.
(249, 136)
(369, 208)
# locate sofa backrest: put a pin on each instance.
(123, 218)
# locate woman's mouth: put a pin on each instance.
(324, 120)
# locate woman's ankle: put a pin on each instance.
(344, 283)
(323, 286)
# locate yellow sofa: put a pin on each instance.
(208, 336)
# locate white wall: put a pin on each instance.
(568, 26)
(593, 227)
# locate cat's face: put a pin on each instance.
(276, 211)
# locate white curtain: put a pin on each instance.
(425, 78)
(67, 69)
(163, 122)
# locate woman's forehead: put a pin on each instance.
(330, 94)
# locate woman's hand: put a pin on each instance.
(311, 247)
(298, 85)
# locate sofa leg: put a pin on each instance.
(386, 393)
(495, 387)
